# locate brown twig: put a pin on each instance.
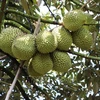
(85, 4)
(14, 82)
(37, 28)
(3, 57)
(18, 84)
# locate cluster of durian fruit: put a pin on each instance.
(48, 49)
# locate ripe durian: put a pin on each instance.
(6, 38)
(42, 63)
(91, 22)
(74, 20)
(64, 38)
(23, 47)
(61, 61)
(46, 42)
(83, 38)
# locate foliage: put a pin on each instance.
(81, 82)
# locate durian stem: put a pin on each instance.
(84, 56)
(14, 82)
(37, 28)
(32, 17)
(13, 23)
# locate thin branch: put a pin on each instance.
(3, 5)
(84, 56)
(3, 57)
(24, 25)
(37, 28)
(49, 9)
(91, 24)
(32, 17)
(14, 82)
(13, 23)
(91, 9)
(11, 75)
(85, 4)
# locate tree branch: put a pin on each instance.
(3, 5)
(24, 25)
(37, 28)
(17, 83)
(83, 55)
(3, 57)
(32, 17)
(91, 9)
(13, 23)
(49, 9)
(14, 82)
(85, 4)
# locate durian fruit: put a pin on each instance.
(46, 42)
(32, 72)
(23, 47)
(61, 61)
(6, 38)
(91, 22)
(42, 63)
(64, 38)
(83, 38)
(74, 20)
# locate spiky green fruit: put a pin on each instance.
(74, 20)
(64, 38)
(32, 72)
(42, 63)
(83, 38)
(6, 38)
(90, 23)
(61, 61)
(46, 42)
(23, 47)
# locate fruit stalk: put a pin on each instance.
(37, 28)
